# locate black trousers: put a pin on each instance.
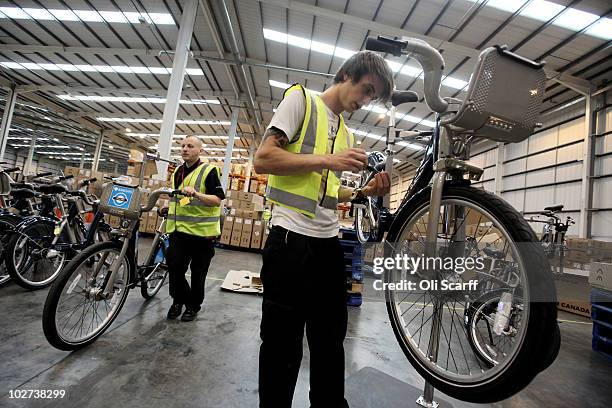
(185, 249)
(304, 286)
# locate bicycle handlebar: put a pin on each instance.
(427, 56)
(12, 169)
(82, 195)
(45, 174)
(154, 196)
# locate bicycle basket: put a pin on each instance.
(120, 200)
(503, 97)
(5, 183)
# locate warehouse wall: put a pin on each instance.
(546, 169)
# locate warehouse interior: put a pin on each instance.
(111, 89)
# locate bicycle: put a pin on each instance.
(41, 244)
(15, 210)
(91, 289)
(553, 235)
(438, 213)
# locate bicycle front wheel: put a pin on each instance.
(78, 310)
(430, 323)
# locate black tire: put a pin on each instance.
(539, 328)
(7, 225)
(149, 288)
(50, 328)
(38, 235)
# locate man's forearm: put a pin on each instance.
(280, 162)
(209, 199)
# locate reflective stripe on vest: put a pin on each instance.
(194, 218)
(302, 192)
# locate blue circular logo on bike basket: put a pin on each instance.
(120, 199)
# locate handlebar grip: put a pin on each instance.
(70, 176)
(383, 44)
(92, 180)
(12, 169)
(400, 97)
(45, 174)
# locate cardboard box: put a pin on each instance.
(233, 194)
(600, 275)
(253, 186)
(228, 223)
(578, 244)
(236, 231)
(247, 206)
(226, 236)
(245, 237)
(264, 234)
(601, 251)
(234, 183)
(143, 223)
(573, 295)
(256, 234)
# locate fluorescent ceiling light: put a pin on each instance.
(27, 138)
(543, 10)
(381, 138)
(343, 53)
(143, 135)
(178, 121)
(121, 69)
(88, 16)
(64, 153)
(131, 99)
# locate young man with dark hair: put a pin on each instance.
(305, 149)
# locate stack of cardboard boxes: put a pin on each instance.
(582, 251)
(244, 232)
(257, 182)
(243, 226)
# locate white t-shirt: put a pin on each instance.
(288, 118)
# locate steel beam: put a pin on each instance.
(98, 152)
(7, 117)
(27, 167)
(228, 152)
(499, 168)
(179, 64)
(588, 161)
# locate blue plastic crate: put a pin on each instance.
(601, 297)
(354, 299)
(348, 234)
(603, 345)
(601, 313)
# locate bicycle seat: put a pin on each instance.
(554, 207)
(51, 188)
(494, 253)
(23, 193)
(23, 185)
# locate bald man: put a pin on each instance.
(193, 225)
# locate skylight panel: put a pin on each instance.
(64, 15)
(575, 20)
(541, 10)
(89, 16)
(39, 14)
(15, 12)
(159, 70)
(113, 17)
(601, 29)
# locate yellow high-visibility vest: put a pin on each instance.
(195, 218)
(301, 192)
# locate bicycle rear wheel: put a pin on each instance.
(27, 260)
(430, 324)
(7, 226)
(77, 311)
(155, 270)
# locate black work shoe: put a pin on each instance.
(175, 311)
(189, 315)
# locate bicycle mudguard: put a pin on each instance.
(16, 218)
(36, 219)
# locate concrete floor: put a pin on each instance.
(145, 360)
